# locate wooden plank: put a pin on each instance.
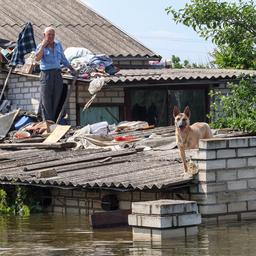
(38, 145)
(57, 134)
(109, 219)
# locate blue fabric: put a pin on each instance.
(25, 44)
(100, 60)
(53, 58)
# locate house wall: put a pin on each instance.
(226, 179)
(105, 96)
(24, 93)
(86, 202)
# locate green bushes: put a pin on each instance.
(237, 109)
(13, 202)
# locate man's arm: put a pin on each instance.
(40, 50)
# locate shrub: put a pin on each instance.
(237, 109)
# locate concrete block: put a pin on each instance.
(237, 185)
(93, 195)
(251, 183)
(251, 205)
(66, 192)
(252, 141)
(19, 96)
(224, 175)
(209, 220)
(238, 142)
(236, 163)
(83, 203)
(212, 144)
(33, 89)
(228, 196)
(189, 220)
(206, 176)
(125, 196)
(237, 207)
(226, 153)
(125, 205)
(146, 196)
(212, 187)
(211, 165)
(141, 207)
(252, 161)
(248, 216)
(27, 96)
(204, 198)
(72, 202)
(246, 173)
(213, 209)
(242, 152)
(72, 210)
(16, 90)
(226, 218)
(117, 100)
(79, 193)
(152, 221)
(141, 234)
(246, 195)
(163, 207)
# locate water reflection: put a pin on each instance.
(62, 235)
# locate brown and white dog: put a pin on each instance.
(188, 136)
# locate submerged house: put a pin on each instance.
(89, 181)
(136, 92)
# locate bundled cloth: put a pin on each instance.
(25, 44)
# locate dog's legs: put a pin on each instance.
(183, 157)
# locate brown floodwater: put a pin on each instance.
(71, 235)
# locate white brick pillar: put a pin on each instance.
(225, 187)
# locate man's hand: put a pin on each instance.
(44, 43)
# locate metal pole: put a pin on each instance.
(67, 98)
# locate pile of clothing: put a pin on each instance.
(90, 65)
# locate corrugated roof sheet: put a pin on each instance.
(136, 75)
(76, 25)
(124, 169)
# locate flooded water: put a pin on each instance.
(62, 235)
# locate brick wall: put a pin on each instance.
(226, 179)
(106, 95)
(24, 93)
(87, 202)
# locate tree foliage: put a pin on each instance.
(230, 25)
(237, 109)
(175, 62)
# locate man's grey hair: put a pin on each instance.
(49, 29)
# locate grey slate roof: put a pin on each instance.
(125, 169)
(136, 75)
(76, 25)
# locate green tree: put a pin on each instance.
(236, 110)
(230, 25)
(175, 62)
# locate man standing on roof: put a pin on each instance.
(50, 54)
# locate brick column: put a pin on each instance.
(226, 180)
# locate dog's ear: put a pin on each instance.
(176, 111)
(187, 111)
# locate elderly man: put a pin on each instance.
(51, 56)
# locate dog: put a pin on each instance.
(188, 136)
